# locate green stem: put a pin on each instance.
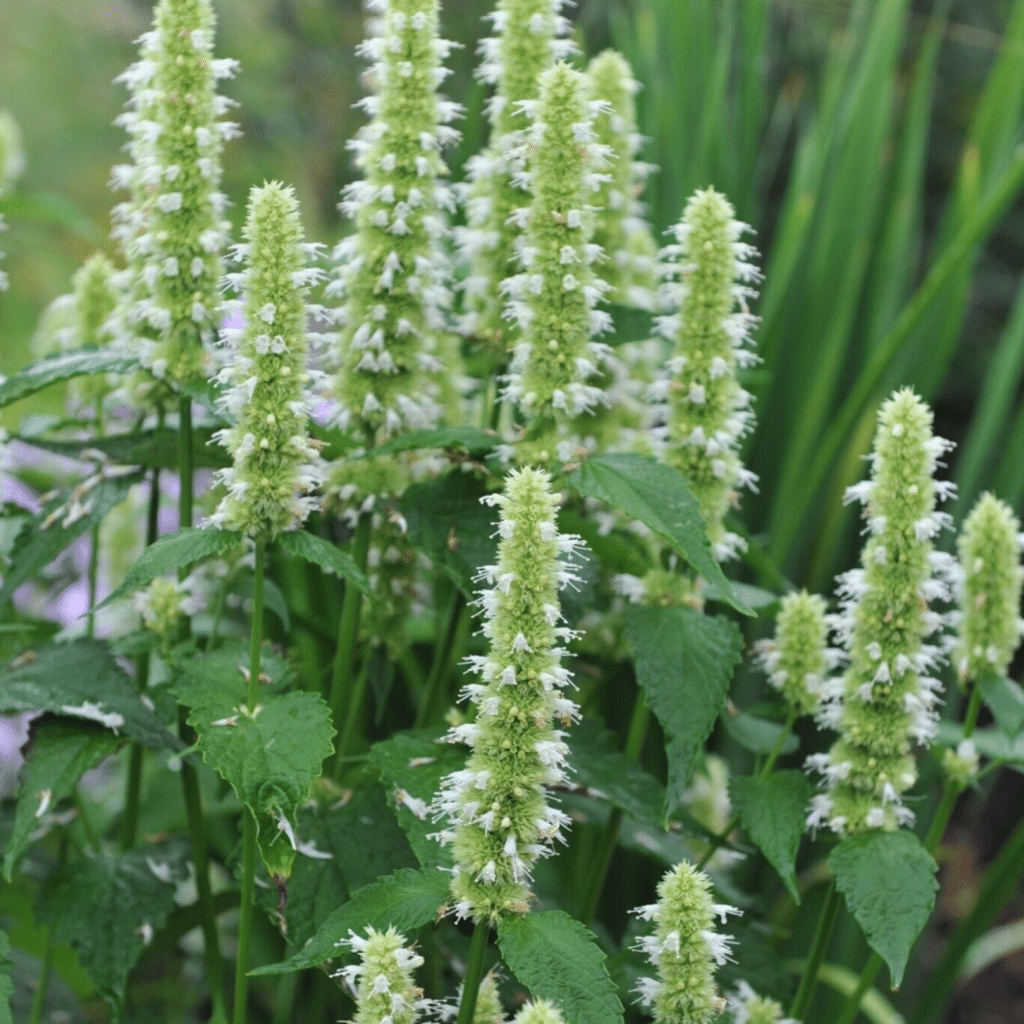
(352, 715)
(94, 566)
(39, 999)
(442, 656)
(348, 629)
(852, 1007)
(829, 910)
(248, 821)
(474, 974)
(87, 827)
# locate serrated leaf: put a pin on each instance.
(470, 438)
(82, 679)
(758, 735)
(106, 906)
(157, 448)
(173, 552)
(270, 757)
(36, 546)
(629, 324)
(406, 900)
(773, 813)
(84, 362)
(312, 548)
(659, 497)
(1005, 699)
(414, 763)
(600, 766)
(684, 664)
(447, 522)
(6, 980)
(888, 880)
(559, 959)
(59, 752)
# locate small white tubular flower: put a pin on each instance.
(988, 589)
(398, 364)
(747, 1007)
(555, 374)
(710, 273)
(172, 229)
(539, 1011)
(684, 949)
(382, 982)
(621, 229)
(501, 816)
(886, 701)
(276, 464)
(530, 35)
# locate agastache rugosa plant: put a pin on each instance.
(885, 702)
(172, 229)
(499, 812)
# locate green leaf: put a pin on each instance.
(753, 597)
(105, 907)
(312, 548)
(659, 496)
(85, 362)
(413, 764)
(684, 663)
(992, 743)
(447, 522)
(406, 900)
(6, 981)
(773, 813)
(628, 324)
(559, 959)
(60, 751)
(150, 448)
(1005, 699)
(38, 545)
(82, 679)
(270, 757)
(173, 552)
(470, 438)
(758, 735)
(888, 879)
(608, 774)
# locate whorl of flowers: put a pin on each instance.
(12, 164)
(161, 605)
(172, 228)
(498, 810)
(557, 364)
(797, 661)
(989, 586)
(539, 1011)
(747, 1007)
(393, 271)
(529, 38)
(382, 981)
(885, 701)
(631, 262)
(276, 465)
(709, 273)
(684, 949)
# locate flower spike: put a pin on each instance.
(382, 981)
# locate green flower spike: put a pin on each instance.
(684, 949)
(989, 586)
(276, 465)
(382, 981)
(799, 658)
(498, 807)
(161, 605)
(488, 1003)
(621, 229)
(172, 228)
(393, 271)
(706, 413)
(529, 38)
(552, 300)
(539, 1011)
(747, 1007)
(886, 700)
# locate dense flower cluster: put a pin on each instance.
(382, 981)
(499, 812)
(276, 464)
(886, 700)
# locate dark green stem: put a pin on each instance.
(852, 1007)
(94, 565)
(441, 664)
(474, 974)
(829, 910)
(352, 715)
(39, 999)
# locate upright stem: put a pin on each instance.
(94, 565)
(442, 656)
(802, 999)
(474, 974)
(352, 713)
(248, 821)
(852, 1007)
(39, 999)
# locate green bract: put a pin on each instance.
(886, 699)
(684, 949)
(706, 413)
(276, 465)
(528, 40)
(172, 228)
(393, 271)
(539, 1011)
(382, 981)
(989, 586)
(552, 300)
(497, 807)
